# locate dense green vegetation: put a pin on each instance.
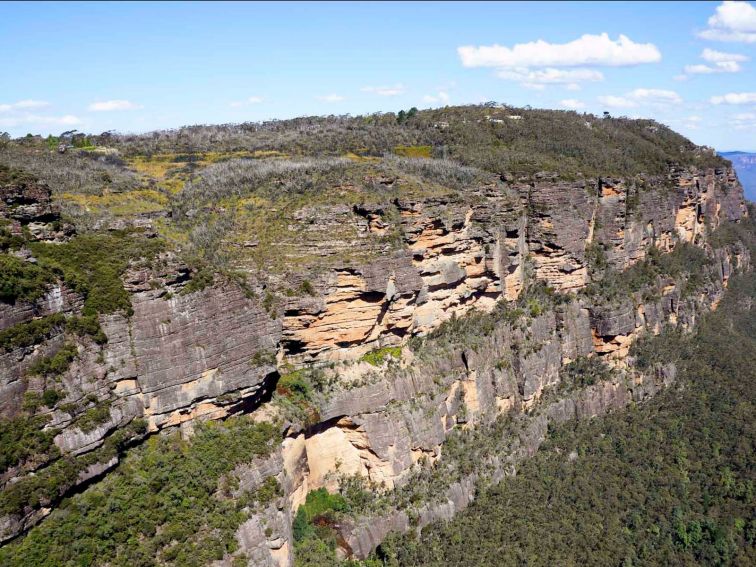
(56, 364)
(314, 533)
(49, 483)
(668, 483)
(315, 512)
(36, 330)
(92, 264)
(686, 262)
(21, 280)
(22, 438)
(379, 356)
(164, 503)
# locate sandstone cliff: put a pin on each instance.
(471, 255)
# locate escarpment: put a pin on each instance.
(416, 344)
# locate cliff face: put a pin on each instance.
(182, 357)
(475, 249)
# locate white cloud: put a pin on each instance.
(331, 98)
(593, 50)
(720, 63)
(549, 76)
(19, 113)
(692, 122)
(65, 120)
(714, 56)
(733, 21)
(572, 104)
(395, 90)
(744, 121)
(23, 105)
(721, 67)
(617, 101)
(248, 101)
(655, 96)
(641, 96)
(734, 98)
(441, 97)
(108, 105)
(31, 104)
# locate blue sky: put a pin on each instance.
(136, 67)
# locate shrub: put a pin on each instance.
(94, 417)
(35, 331)
(21, 280)
(200, 279)
(51, 397)
(294, 385)
(379, 356)
(22, 438)
(319, 503)
(56, 364)
(584, 371)
(31, 332)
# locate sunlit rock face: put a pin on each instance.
(181, 358)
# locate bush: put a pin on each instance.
(379, 356)
(585, 371)
(51, 397)
(294, 385)
(57, 364)
(30, 333)
(35, 331)
(318, 508)
(21, 280)
(22, 438)
(94, 417)
(200, 279)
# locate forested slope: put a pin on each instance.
(667, 483)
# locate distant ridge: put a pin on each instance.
(745, 165)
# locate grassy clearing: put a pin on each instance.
(135, 202)
(414, 151)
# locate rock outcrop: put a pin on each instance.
(183, 357)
